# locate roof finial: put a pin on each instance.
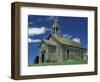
(56, 20)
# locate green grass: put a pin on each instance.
(67, 62)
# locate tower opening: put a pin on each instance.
(56, 29)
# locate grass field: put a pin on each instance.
(67, 62)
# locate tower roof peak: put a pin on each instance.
(56, 20)
(55, 25)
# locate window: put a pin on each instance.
(52, 49)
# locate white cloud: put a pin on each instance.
(40, 19)
(76, 40)
(67, 36)
(36, 31)
(30, 22)
(33, 41)
(46, 19)
(50, 18)
(48, 29)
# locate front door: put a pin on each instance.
(42, 58)
(67, 54)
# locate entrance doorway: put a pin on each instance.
(67, 54)
(42, 58)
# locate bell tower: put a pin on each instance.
(56, 30)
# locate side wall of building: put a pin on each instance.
(60, 52)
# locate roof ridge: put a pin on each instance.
(67, 41)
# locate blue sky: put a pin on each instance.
(39, 27)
